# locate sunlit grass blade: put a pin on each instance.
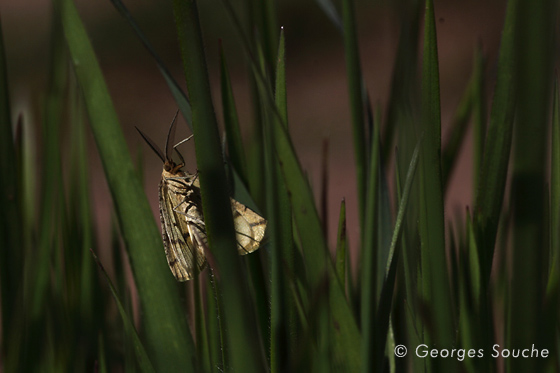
(241, 334)
(175, 89)
(166, 334)
(355, 92)
(435, 280)
(141, 354)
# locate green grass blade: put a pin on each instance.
(141, 354)
(402, 98)
(459, 125)
(83, 290)
(493, 172)
(166, 334)
(402, 206)
(369, 259)
(101, 355)
(435, 287)
(355, 91)
(231, 121)
(410, 265)
(387, 292)
(283, 327)
(213, 321)
(341, 246)
(52, 207)
(534, 32)
(346, 337)
(478, 115)
(263, 23)
(241, 335)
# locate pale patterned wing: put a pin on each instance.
(180, 248)
(249, 228)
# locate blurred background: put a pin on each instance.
(316, 77)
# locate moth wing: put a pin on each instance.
(180, 248)
(249, 228)
(198, 234)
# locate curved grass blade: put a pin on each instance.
(167, 336)
(141, 354)
(176, 91)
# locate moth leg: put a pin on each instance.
(189, 206)
(194, 178)
(195, 221)
(178, 180)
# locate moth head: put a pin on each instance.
(168, 164)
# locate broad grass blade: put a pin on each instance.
(167, 337)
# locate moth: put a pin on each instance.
(182, 220)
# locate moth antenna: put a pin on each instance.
(152, 145)
(170, 137)
(180, 156)
(179, 143)
(182, 141)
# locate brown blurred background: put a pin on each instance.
(317, 88)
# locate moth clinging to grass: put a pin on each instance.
(182, 221)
